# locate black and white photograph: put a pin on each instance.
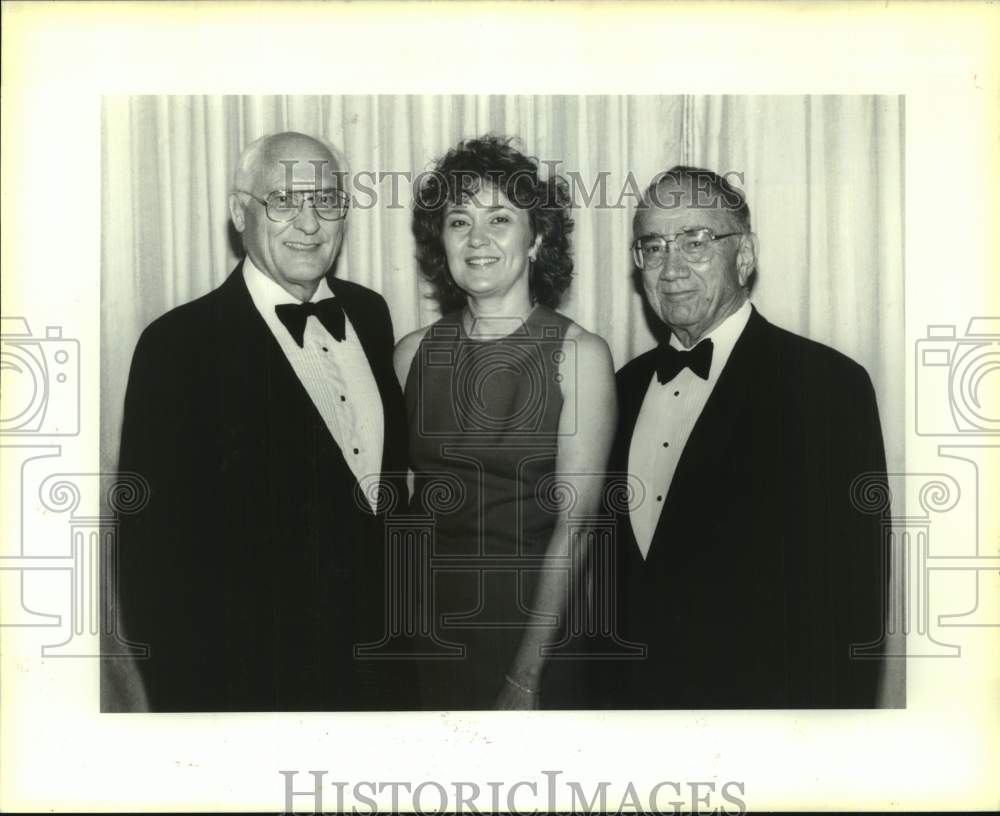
(488, 515)
(499, 407)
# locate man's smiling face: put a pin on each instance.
(296, 254)
(693, 298)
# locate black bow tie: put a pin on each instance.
(670, 361)
(328, 310)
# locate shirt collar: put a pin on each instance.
(724, 337)
(267, 294)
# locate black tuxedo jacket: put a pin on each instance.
(254, 568)
(761, 573)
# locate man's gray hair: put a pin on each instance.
(720, 192)
(248, 164)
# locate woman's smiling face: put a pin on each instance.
(488, 242)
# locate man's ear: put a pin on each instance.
(746, 257)
(237, 212)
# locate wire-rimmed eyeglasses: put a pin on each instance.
(283, 205)
(694, 245)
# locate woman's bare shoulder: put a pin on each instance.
(586, 343)
(406, 349)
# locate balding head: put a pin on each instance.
(295, 253)
(703, 188)
(275, 148)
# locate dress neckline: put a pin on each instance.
(521, 330)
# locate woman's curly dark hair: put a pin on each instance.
(460, 173)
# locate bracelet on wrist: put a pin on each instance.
(517, 685)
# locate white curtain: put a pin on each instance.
(823, 177)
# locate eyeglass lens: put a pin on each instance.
(693, 246)
(329, 205)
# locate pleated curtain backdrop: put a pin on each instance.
(823, 176)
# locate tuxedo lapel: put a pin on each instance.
(257, 382)
(631, 395)
(712, 435)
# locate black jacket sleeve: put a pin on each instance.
(155, 576)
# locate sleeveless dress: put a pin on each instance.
(483, 420)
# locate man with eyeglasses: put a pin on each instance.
(263, 416)
(743, 565)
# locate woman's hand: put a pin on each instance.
(516, 697)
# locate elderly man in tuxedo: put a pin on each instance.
(746, 570)
(261, 414)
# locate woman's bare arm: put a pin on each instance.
(586, 431)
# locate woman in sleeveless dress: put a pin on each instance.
(511, 410)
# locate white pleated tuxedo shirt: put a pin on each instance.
(666, 419)
(336, 375)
